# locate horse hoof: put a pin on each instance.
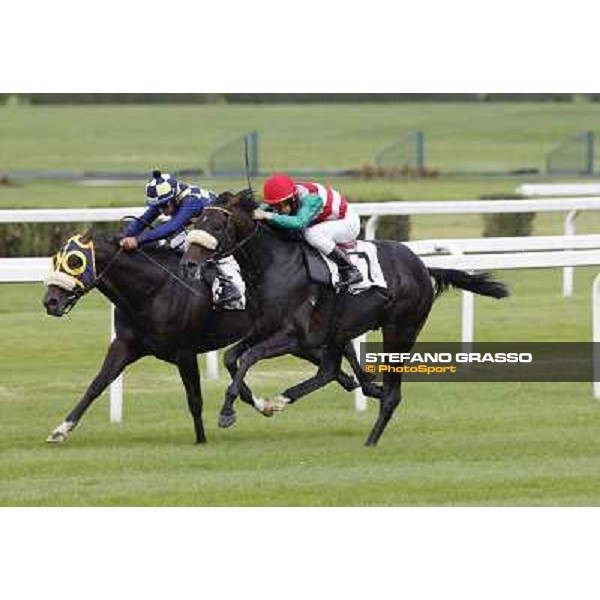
(277, 404)
(269, 410)
(226, 421)
(61, 433)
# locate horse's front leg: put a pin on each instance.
(120, 354)
(278, 345)
(190, 376)
(328, 371)
(231, 363)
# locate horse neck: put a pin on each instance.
(124, 280)
(259, 253)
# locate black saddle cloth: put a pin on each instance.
(317, 270)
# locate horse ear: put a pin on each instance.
(87, 236)
(225, 197)
(246, 200)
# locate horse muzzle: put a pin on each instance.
(57, 303)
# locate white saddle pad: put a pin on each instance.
(364, 256)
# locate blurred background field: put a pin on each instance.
(476, 137)
(460, 444)
(460, 136)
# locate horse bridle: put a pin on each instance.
(79, 293)
(236, 246)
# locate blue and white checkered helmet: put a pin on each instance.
(162, 188)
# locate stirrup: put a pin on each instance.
(349, 277)
(228, 293)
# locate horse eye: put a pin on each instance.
(74, 262)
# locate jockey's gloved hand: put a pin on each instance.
(129, 244)
(261, 215)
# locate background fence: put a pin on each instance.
(573, 156)
(228, 159)
(408, 153)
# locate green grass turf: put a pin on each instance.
(452, 444)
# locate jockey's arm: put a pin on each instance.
(136, 226)
(310, 207)
(186, 212)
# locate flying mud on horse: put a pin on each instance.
(300, 311)
(157, 314)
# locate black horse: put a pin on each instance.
(157, 314)
(275, 270)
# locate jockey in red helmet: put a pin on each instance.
(321, 212)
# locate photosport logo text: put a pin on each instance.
(436, 363)
(501, 361)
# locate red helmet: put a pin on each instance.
(278, 188)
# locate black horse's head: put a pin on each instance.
(73, 274)
(221, 228)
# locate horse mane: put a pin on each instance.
(243, 199)
(165, 255)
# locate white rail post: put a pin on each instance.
(467, 326)
(360, 401)
(596, 335)
(569, 229)
(212, 365)
(468, 321)
(371, 228)
(116, 387)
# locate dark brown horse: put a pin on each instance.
(283, 294)
(157, 314)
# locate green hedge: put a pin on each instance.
(507, 224)
(41, 239)
(282, 98)
(393, 227)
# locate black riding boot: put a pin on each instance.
(228, 292)
(349, 274)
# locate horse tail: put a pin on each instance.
(479, 283)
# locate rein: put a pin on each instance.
(219, 256)
(172, 275)
(77, 294)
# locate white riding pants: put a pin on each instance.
(326, 235)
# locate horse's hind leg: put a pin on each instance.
(368, 386)
(395, 339)
(328, 371)
(315, 356)
(119, 355)
(187, 364)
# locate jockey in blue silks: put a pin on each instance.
(181, 202)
